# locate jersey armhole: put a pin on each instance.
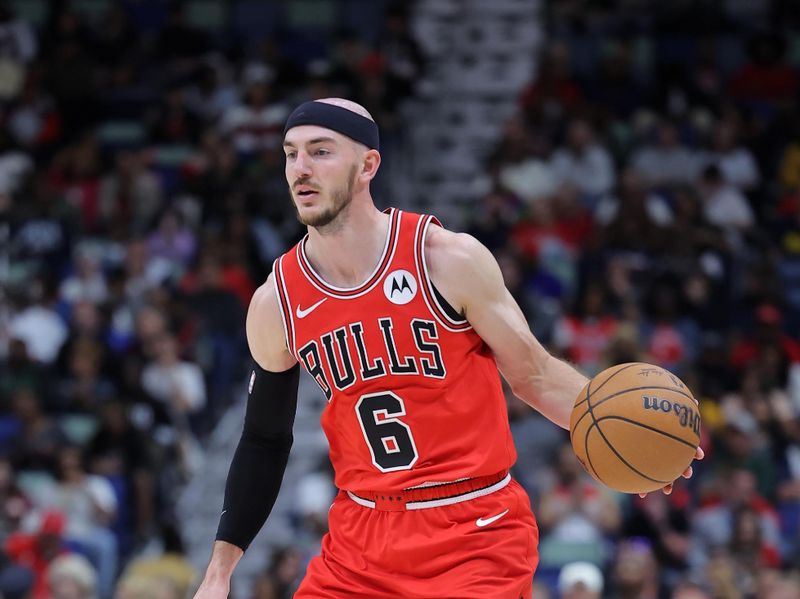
(441, 309)
(283, 303)
(446, 306)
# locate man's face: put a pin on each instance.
(321, 168)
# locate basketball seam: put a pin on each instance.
(624, 461)
(589, 430)
(611, 447)
(588, 395)
(647, 426)
(618, 393)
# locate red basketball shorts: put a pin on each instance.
(482, 548)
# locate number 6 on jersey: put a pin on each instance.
(389, 439)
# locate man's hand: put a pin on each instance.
(216, 589)
(698, 455)
(217, 580)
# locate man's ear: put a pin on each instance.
(372, 161)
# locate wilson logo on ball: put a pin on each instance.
(686, 416)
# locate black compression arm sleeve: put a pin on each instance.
(260, 460)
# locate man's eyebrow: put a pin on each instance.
(316, 140)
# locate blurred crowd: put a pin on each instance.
(644, 205)
(142, 201)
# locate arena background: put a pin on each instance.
(633, 165)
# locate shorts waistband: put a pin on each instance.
(420, 498)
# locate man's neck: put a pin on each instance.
(347, 253)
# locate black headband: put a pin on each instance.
(344, 121)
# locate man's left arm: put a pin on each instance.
(468, 276)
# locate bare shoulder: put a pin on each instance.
(460, 266)
(447, 250)
(265, 334)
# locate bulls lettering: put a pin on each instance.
(347, 354)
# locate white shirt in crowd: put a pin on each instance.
(667, 166)
(162, 382)
(727, 208)
(42, 331)
(738, 167)
(592, 172)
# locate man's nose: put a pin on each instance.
(302, 165)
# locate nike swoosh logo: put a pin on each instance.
(481, 522)
(303, 313)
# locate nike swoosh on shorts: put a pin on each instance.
(481, 522)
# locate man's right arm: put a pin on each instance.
(257, 467)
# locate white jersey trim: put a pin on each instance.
(392, 237)
(422, 270)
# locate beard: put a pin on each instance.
(341, 198)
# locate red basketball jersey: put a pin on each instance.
(414, 395)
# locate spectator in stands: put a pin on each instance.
(172, 122)
(83, 386)
(637, 221)
(667, 161)
(664, 522)
(173, 242)
(39, 326)
(554, 89)
(668, 339)
(130, 196)
(14, 504)
(39, 438)
(724, 205)
(72, 577)
(713, 524)
(735, 161)
(527, 170)
(43, 227)
(575, 509)
(635, 573)
(15, 165)
(19, 372)
(580, 580)
(766, 81)
(39, 549)
(210, 95)
(689, 590)
(583, 336)
(34, 120)
(89, 505)
(175, 382)
(584, 162)
(767, 335)
(171, 565)
(257, 122)
(18, 49)
(75, 173)
(87, 283)
(121, 453)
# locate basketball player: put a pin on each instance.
(403, 325)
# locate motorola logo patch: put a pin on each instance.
(400, 287)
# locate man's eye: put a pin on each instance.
(322, 152)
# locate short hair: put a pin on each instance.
(348, 105)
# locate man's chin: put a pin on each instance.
(316, 218)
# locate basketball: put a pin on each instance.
(635, 427)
